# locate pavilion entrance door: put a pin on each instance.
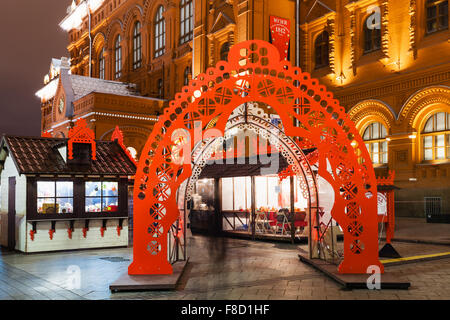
(12, 213)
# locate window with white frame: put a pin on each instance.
(101, 196)
(186, 21)
(137, 46)
(118, 57)
(375, 139)
(160, 32)
(101, 64)
(436, 137)
(55, 197)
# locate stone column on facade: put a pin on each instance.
(212, 48)
(231, 38)
(353, 40)
(170, 16)
(147, 40)
(305, 48)
(332, 43)
(385, 28)
(412, 27)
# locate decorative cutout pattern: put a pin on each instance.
(80, 133)
(322, 123)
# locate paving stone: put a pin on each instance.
(246, 270)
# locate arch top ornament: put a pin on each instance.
(150, 8)
(254, 73)
(420, 100)
(371, 108)
(135, 13)
(114, 28)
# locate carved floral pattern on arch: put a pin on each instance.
(306, 109)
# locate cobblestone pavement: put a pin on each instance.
(417, 229)
(219, 268)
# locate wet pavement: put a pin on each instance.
(219, 268)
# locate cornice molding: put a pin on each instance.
(349, 96)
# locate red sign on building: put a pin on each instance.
(280, 34)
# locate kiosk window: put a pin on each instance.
(102, 196)
(55, 197)
(236, 194)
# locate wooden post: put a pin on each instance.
(253, 207)
(292, 185)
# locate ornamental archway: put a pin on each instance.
(254, 73)
(251, 122)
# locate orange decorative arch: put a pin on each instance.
(254, 73)
(117, 136)
(46, 134)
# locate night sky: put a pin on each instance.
(29, 38)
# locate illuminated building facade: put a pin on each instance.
(159, 45)
(386, 61)
(154, 46)
(104, 104)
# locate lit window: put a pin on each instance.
(436, 137)
(372, 36)
(102, 196)
(236, 194)
(321, 48)
(437, 15)
(271, 194)
(118, 57)
(160, 32)
(186, 21)
(101, 64)
(376, 143)
(55, 197)
(137, 46)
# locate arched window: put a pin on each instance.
(101, 64)
(376, 143)
(187, 75)
(118, 57)
(436, 137)
(224, 51)
(186, 21)
(372, 35)
(436, 15)
(160, 32)
(137, 46)
(321, 50)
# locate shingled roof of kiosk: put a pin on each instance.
(33, 155)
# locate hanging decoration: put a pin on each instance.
(280, 35)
